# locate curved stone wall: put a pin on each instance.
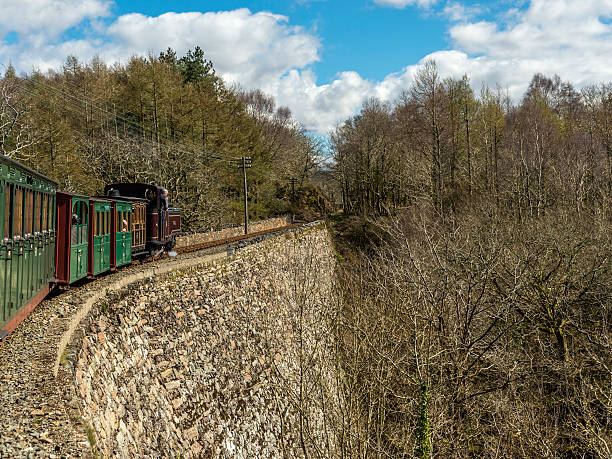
(229, 360)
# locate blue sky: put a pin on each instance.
(355, 35)
(323, 57)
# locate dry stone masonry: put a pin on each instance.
(225, 361)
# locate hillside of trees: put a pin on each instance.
(476, 309)
(165, 120)
(474, 285)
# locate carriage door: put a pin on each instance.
(39, 248)
(18, 244)
(5, 218)
(78, 240)
(51, 231)
(123, 249)
(101, 239)
(48, 249)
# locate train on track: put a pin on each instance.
(49, 237)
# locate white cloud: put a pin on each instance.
(249, 48)
(405, 3)
(44, 19)
(552, 36)
(321, 107)
(52, 56)
(252, 49)
(564, 37)
(473, 37)
(572, 39)
(455, 11)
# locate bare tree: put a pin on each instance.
(17, 135)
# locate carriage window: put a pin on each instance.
(108, 222)
(51, 213)
(74, 218)
(78, 209)
(49, 220)
(84, 221)
(97, 227)
(37, 212)
(45, 214)
(74, 230)
(7, 211)
(35, 215)
(79, 213)
(28, 212)
(18, 213)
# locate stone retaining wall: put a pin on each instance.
(209, 236)
(230, 360)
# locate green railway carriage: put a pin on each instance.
(27, 243)
(72, 237)
(121, 243)
(99, 236)
(50, 237)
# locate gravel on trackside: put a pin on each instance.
(39, 413)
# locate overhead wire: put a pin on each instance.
(65, 94)
(236, 162)
(142, 127)
(82, 104)
(75, 100)
(81, 111)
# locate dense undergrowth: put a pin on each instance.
(475, 336)
(475, 288)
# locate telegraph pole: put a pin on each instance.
(246, 209)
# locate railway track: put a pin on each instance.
(221, 242)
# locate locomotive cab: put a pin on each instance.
(161, 226)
